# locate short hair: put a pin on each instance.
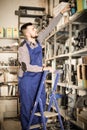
(24, 26)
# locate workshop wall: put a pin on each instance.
(8, 7)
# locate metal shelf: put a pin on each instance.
(32, 8)
(31, 16)
(79, 52)
(9, 51)
(9, 67)
(8, 97)
(9, 38)
(71, 86)
(23, 11)
(63, 55)
(49, 81)
(58, 31)
(79, 17)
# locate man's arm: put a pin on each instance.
(44, 33)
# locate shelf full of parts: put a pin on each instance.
(66, 50)
(8, 72)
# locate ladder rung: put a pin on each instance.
(35, 126)
(47, 114)
(49, 123)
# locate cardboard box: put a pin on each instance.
(84, 4)
(15, 33)
(4, 90)
(82, 75)
(58, 8)
(10, 107)
(2, 31)
(81, 5)
(82, 83)
(9, 32)
(84, 59)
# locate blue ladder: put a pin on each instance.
(47, 114)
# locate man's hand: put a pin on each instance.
(66, 9)
(48, 69)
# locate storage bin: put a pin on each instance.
(2, 31)
(15, 32)
(84, 4)
(8, 32)
(82, 75)
(81, 5)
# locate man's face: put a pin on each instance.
(31, 31)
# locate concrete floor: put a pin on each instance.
(11, 124)
(14, 124)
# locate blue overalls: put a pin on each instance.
(28, 88)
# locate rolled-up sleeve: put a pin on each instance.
(44, 33)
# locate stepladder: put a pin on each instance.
(45, 115)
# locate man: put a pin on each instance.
(30, 73)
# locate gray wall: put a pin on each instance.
(8, 7)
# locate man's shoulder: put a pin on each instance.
(22, 46)
(22, 43)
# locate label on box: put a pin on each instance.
(9, 32)
(85, 4)
(82, 75)
(81, 5)
(4, 90)
(84, 60)
(82, 83)
(15, 33)
(1, 32)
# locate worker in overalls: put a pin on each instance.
(31, 68)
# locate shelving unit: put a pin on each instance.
(8, 76)
(60, 53)
(25, 11)
(29, 14)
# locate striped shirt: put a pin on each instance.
(23, 55)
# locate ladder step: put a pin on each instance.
(35, 126)
(48, 124)
(47, 114)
